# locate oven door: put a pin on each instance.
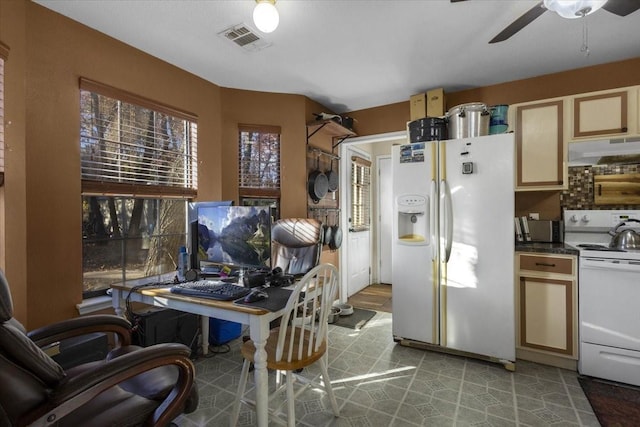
(609, 302)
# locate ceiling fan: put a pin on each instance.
(617, 7)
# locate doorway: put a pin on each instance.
(358, 207)
(377, 249)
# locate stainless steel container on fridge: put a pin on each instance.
(468, 120)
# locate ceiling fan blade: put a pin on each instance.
(621, 7)
(520, 23)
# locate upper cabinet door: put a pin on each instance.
(540, 146)
(601, 114)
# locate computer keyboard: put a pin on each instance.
(213, 290)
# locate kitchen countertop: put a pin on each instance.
(550, 248)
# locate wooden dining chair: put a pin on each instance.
(300, 341)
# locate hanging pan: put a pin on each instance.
(318, 184)
(326, 230)
(336, 234)
(332, 178)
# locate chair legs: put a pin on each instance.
(326, 381)
(290, 393)
(235, 412)
(291, 402)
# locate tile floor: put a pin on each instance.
(379, 383)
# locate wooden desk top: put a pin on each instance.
(166, 293)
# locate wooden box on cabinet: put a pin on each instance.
(546, 292)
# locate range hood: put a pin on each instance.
(605, 152)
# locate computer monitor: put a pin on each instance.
(193, 227)
(234, 236)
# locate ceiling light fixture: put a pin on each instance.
(574, 8)
(265, 15)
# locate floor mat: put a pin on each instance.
(614, 404)
(356, 320)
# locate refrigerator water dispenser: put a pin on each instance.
(413, 219)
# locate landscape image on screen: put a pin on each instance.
(237, 236)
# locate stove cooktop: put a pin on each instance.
(603, 251)
(598, 247)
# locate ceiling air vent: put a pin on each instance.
(245, 37)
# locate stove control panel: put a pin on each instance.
(597, 220)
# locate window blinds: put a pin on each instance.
(360, 194)
(133, 146)
(259, 158)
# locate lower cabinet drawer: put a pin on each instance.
(546, 264)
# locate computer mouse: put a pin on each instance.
(256, 295)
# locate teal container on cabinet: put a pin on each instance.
(498, 121)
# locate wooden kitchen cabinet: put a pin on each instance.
(607, 113)
(546, 301)
(540, 146)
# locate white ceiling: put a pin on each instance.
(355, 54)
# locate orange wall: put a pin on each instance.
(58, 51)
(13, 193)
(41, 196)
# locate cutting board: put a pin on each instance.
(620, 189)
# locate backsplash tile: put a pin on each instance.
(580, 192)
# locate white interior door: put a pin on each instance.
(359, 261)
(385, 218)
(359, 252)
(352, 275)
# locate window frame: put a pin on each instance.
(261, 191)
(360, 201)
(4, 55)
(133, 193)
(249, 196)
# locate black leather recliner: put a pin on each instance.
(132, 387)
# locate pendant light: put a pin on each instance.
(265, 15)
(574, 8)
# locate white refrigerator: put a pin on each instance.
(453, 245)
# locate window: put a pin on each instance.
(259, 166)
(139, 170)
(360, 194)
(4, 53)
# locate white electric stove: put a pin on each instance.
(608, 295)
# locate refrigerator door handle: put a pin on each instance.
(432, 221)
(448, 219)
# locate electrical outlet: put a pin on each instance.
(534, 215)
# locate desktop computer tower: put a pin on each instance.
(155, 325)
(82, 349)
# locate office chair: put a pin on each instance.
(35, 390)
(296, 245)
(300, 343)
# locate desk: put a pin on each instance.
(257, 319)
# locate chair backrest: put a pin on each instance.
(26, 372)
(296, 244)
(306, 314)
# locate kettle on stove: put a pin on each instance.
(625, 239)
